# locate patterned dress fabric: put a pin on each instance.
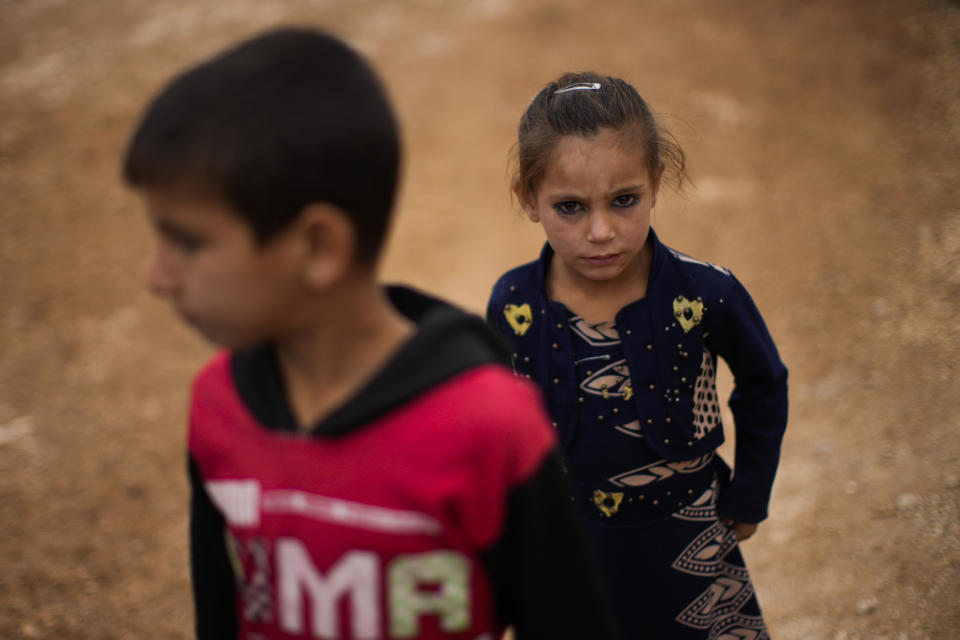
(672, 569)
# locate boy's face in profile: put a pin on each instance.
(207, 262)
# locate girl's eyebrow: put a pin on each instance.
(635, 187)
(559, 197)
(566, 195)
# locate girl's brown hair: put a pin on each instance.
(582, 104)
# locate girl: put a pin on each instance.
(622, 334)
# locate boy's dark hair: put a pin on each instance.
(278, 122)
(582, 104)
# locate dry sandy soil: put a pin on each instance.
(824, 144)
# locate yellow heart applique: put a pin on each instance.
(608, 503)
(688, 313)
(519, 317)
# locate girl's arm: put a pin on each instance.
(758, 402)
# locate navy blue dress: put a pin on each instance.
(634, 403)
(672, 569)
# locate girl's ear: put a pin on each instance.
(526, 202)
(330, 242)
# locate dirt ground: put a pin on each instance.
(824, 144)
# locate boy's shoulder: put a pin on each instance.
(489, 397)
(214, 378)
(489, 419)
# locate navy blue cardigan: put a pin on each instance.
(691, 305)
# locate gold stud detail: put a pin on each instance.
(608, 503)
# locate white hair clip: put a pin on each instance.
(580, 86)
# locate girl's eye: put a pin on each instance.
(625, 201)
(567, 208)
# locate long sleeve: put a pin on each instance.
(758, 403)
(214, 594)
(541, 567)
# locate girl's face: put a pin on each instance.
(594, 203)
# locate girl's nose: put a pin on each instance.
(599, 228)
(159, 276)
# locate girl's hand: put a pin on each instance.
(741, 530)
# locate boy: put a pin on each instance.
(361, 463)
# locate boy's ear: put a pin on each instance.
(330, 240)
(528, 205)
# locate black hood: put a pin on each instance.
(448, 341)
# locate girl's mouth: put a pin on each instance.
(599, 261)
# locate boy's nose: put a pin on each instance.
(159, 275)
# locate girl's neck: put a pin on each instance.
(599, 301)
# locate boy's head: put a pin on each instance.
(269, 173)
(278, 122)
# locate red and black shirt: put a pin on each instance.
(430, 505)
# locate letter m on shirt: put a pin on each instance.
(355, 576)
